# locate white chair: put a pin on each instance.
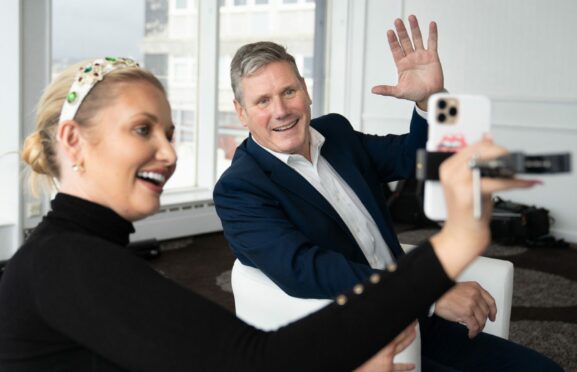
(261, 303)
(496, 276)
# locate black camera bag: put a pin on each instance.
(515, 223)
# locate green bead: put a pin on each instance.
(71, 97)
(87, 68)
(111, 59)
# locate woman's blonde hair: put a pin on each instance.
(39, 149)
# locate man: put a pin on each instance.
(302, 200)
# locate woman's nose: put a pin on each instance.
(166, 152)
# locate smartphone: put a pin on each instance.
(455, 121)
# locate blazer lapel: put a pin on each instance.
(291, 181)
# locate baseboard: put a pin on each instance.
(570, 236)
(176, 221)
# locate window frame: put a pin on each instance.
(36, 51)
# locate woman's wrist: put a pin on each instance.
(455, 249)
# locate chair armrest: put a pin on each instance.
(261, 303)
(496, 276)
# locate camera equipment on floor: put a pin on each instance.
(406, 204)
(145, 248)
(527, 225)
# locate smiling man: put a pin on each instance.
(302, 199)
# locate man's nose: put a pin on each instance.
(280, 108)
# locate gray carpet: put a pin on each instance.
(544, 312)
(543, 317)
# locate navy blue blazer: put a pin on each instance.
(276, 221)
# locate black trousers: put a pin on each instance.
(445, 346)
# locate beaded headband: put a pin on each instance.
(86, 78)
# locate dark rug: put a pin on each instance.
(543, 317)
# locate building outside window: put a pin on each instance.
(293, 27)
(163, 36)
(158, 33)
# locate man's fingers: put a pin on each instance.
(385, 90)
(403, 36)
(396, 49)
(472, 324)
(416, 32)
(432, 41)
(491, 303)
(481, 318)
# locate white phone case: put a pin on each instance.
(455, 120)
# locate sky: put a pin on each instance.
(87, 29)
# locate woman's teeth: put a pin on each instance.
(152, 176)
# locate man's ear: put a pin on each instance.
(70, 139)
(304, 84)
(240, 112)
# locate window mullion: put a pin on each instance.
(207, 91)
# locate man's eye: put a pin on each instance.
(289, 92)
(263, 101)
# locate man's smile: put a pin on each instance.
(286, 127)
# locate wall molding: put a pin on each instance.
(512, 124)
(533, 99)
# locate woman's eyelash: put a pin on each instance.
(143, 130)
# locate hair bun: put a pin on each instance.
(33, 153)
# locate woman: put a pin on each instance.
(72, 298)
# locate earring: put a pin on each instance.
(78, 168)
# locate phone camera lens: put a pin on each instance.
(453, 111)
(441, 118)
(442, 104)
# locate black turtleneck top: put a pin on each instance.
(73, 299)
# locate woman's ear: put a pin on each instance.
(70, 139)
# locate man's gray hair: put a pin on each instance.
(252, 57)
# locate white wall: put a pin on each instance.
(521, 53)
(9, 120)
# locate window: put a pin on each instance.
(181, 4)
(307, 70)
(164, 36)
(154, 35)
(239, 28)
(158, 65)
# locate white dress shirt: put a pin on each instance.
(323, 177)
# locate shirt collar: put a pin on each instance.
(317, 141)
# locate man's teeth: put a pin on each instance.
(156, 177)
(286, 127)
